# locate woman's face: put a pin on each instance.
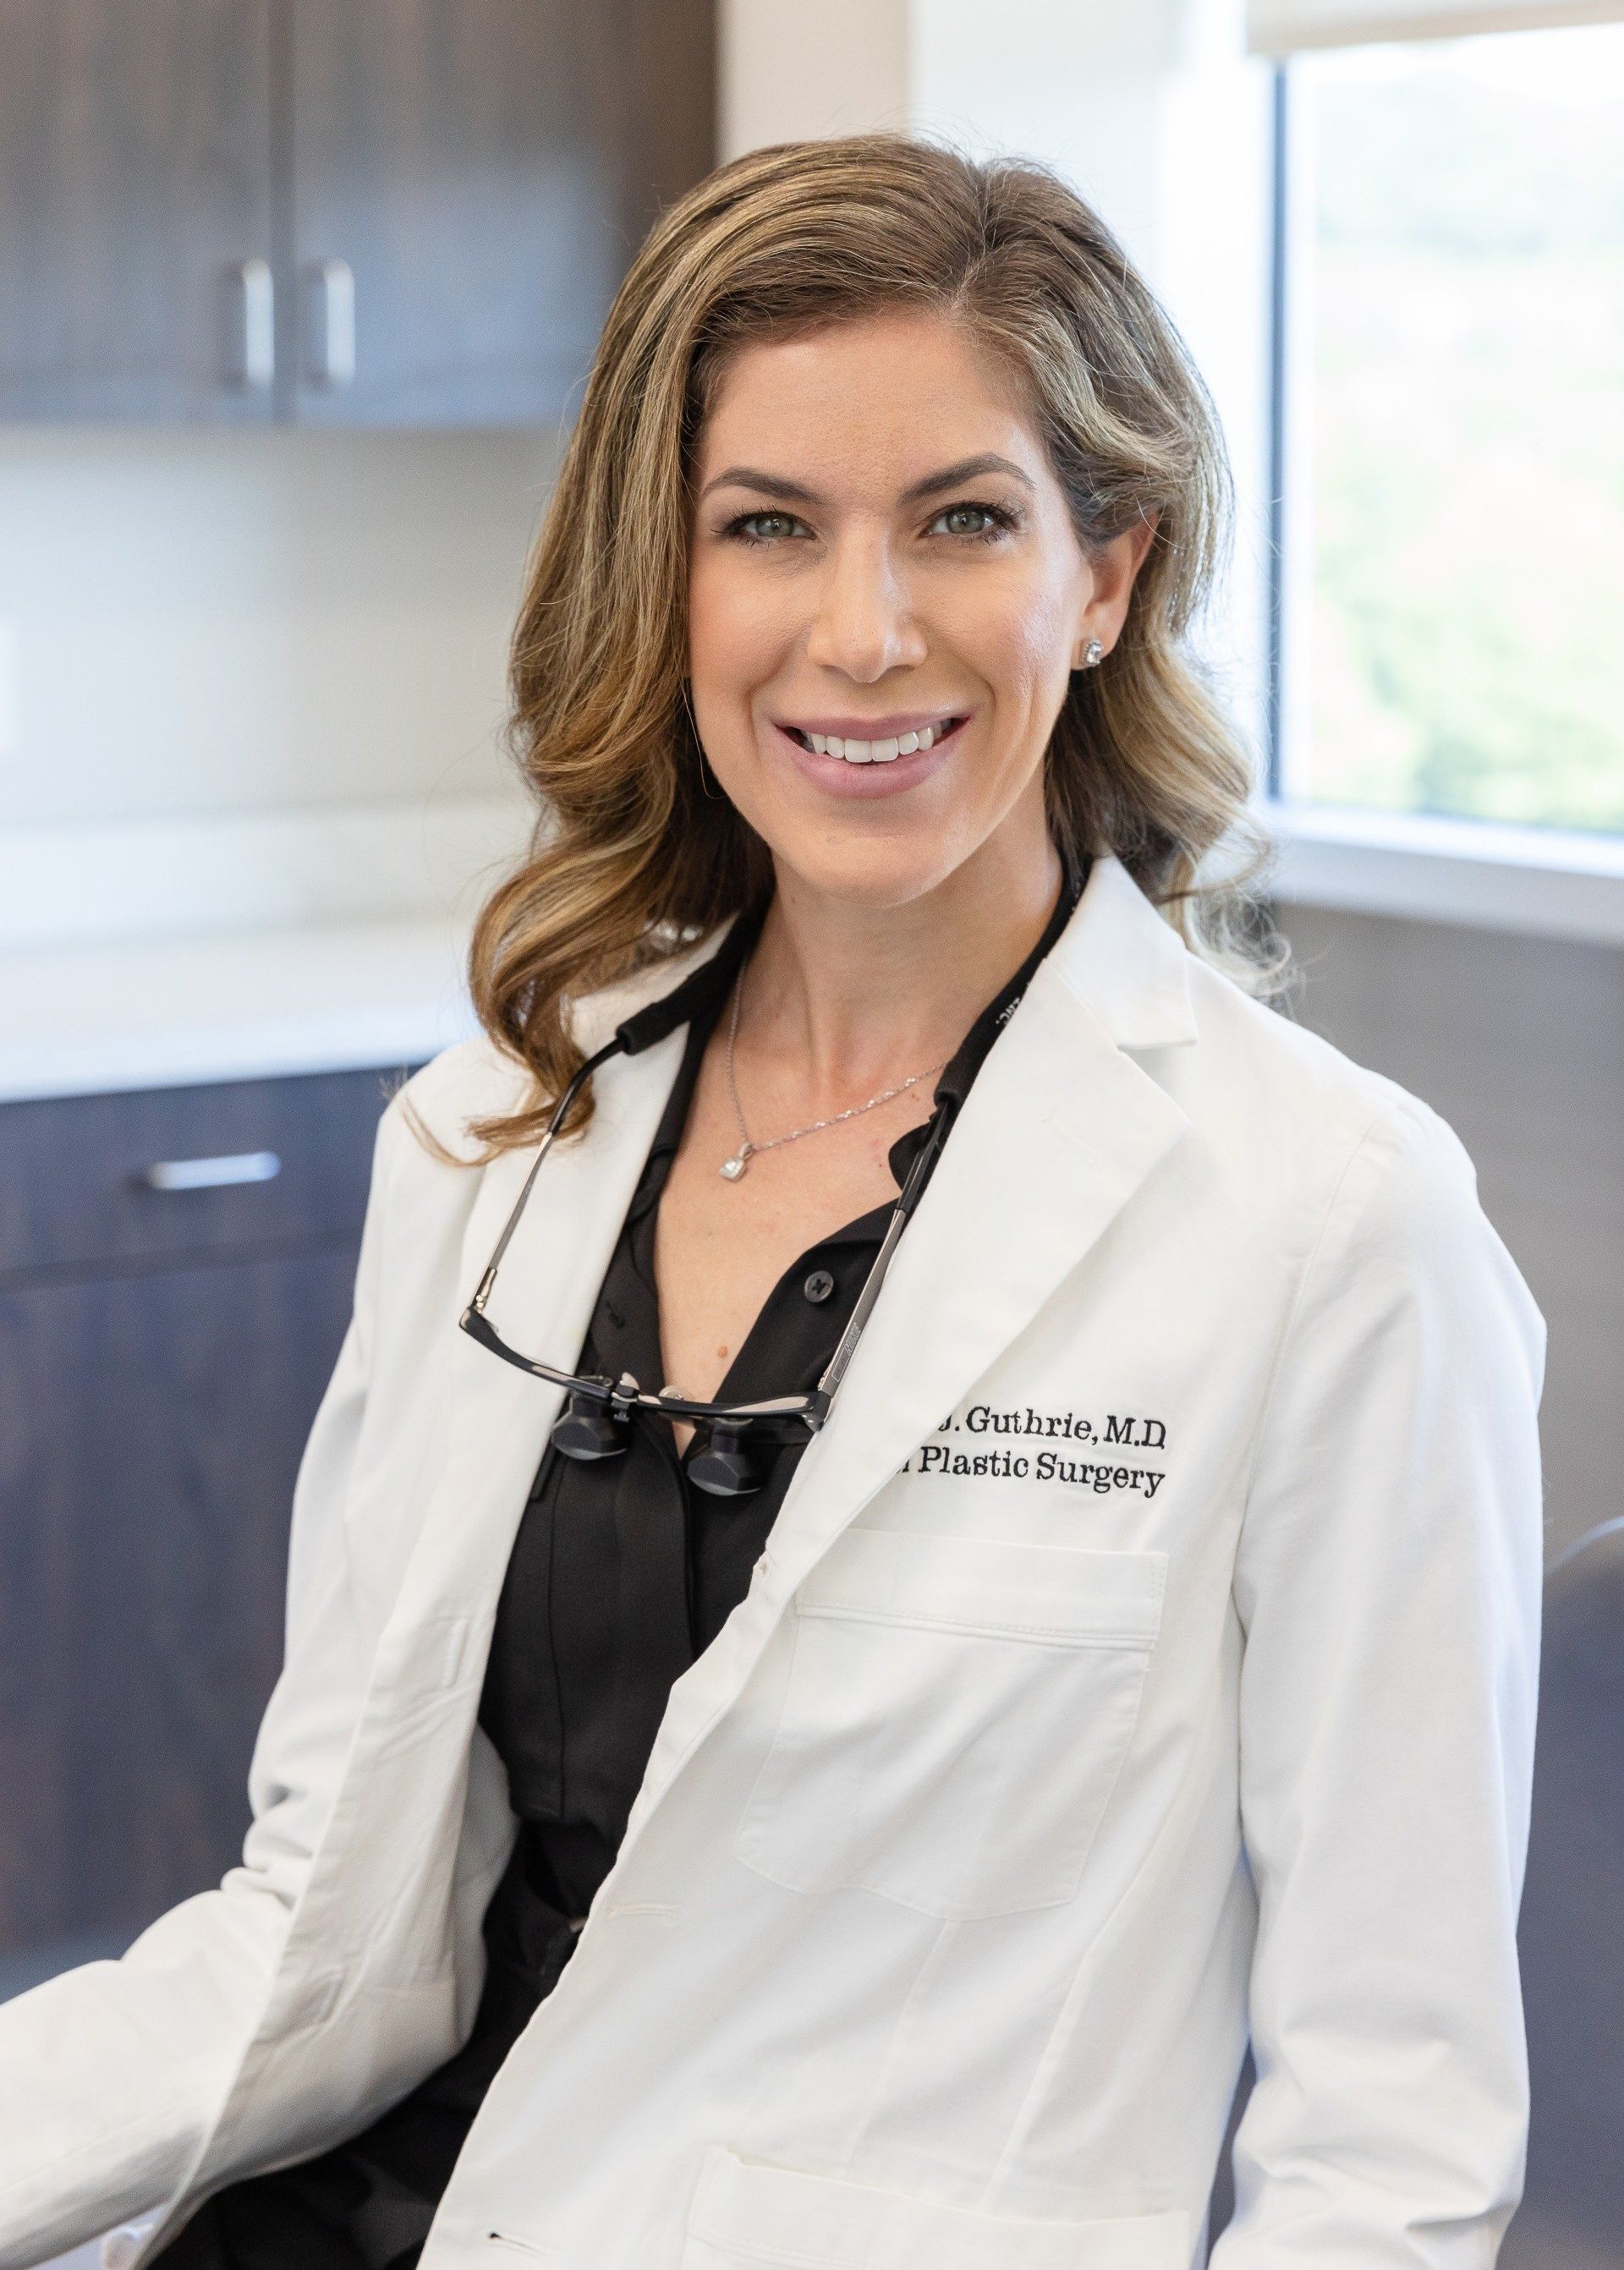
(878, 546)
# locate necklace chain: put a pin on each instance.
(733, 1167)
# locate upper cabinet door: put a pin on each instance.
(469, 180)
(136, 243)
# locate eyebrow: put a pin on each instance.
(746, 476)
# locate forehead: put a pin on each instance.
(890, 393)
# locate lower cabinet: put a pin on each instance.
(154, 1404)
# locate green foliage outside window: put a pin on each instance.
(1466, 650)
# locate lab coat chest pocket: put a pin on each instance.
(751, 2211)
(956, 1713)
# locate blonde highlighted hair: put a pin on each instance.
(631, 858)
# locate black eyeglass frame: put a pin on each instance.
(777, 1414)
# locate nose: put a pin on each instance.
(863, 623)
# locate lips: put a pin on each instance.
(839, 777)
(875, 747)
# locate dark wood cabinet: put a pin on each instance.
(461, 207)
(162, 1353)
(136, 209)
(368, 212)
(90, 1182)
(151, 1426)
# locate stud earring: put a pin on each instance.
(1095, 650)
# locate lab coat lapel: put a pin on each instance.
(541, 1305)
(1060, 1129)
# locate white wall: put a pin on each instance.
(213, 622)
(210, 642)
(789, 74)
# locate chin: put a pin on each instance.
(868, 872)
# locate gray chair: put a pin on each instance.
(1571, 1931)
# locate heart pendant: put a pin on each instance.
(732, 1169)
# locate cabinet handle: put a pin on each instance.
(255, 362)
(211, 1174)
(333, 294)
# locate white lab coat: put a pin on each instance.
(1144, 1652)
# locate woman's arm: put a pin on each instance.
(1389, 1586)
(110, 2074)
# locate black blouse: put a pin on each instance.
(621, 1575)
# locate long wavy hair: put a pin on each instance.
(631, 860)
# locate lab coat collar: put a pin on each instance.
(1127, 962)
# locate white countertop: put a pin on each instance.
(88, 1020)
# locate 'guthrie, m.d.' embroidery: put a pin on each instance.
(1115, 1431)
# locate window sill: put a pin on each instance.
(1551, 883)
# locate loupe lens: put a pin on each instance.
(726, 1467)
(588, 1429)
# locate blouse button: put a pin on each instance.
(819, 1285)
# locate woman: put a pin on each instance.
(864, 1831)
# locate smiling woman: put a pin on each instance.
(719, 1808)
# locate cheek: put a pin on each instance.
(1023, 651)
(732, 630)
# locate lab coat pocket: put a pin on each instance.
(749, 2211)
(956, 1713)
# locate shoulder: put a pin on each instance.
(1375, 1192)
(478, 1079)
(471, 1081)
(1276, 1073)
(1270, 1068)
(1337, 1156)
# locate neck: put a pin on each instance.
(844, 997)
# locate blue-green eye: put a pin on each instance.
(739, 528)
(1000, 521)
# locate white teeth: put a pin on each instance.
(877, 752)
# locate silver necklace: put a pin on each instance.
(733, 1167)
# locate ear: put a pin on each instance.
(1115, 566)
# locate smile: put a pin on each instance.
(853, 752)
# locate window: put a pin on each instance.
(1450, 303)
